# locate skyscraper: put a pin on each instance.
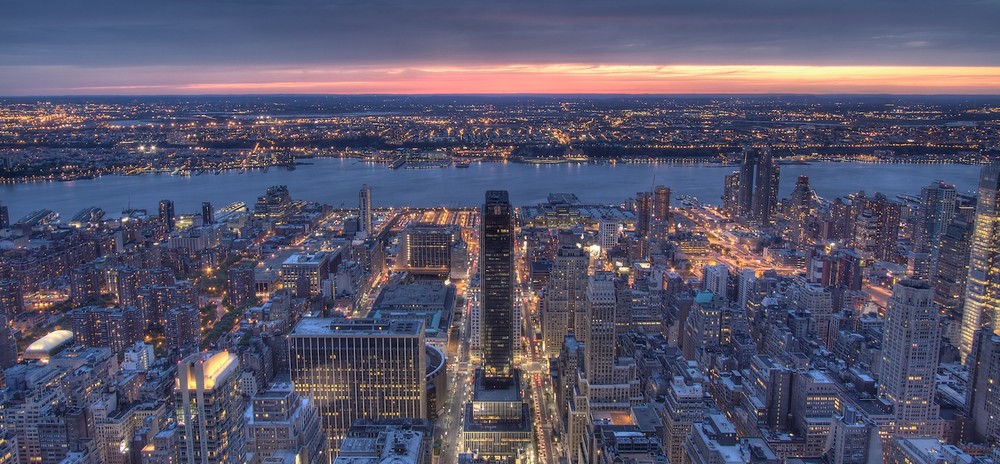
(359, 368)
(765, 193)
(643, 213)
(167, 214)
(731, 195)
(661, 203)
(600, 324)
(746, 178)
(983, 397)
(496, 423)
(4, 216)
(937, 206)
(210, 409)
(564, 297)
(982, 291)
(365, 209)
(497, 280)
(910, 345)
(207, 213)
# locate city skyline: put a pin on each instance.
(447, 47)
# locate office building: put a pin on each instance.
(982, 291)
(563, 299)
(210, 409)
(306, 273)
(925, 450)
(426, 249)
(282, 420)
(359, 368)
(910, 345)
(850, 438)
(496, 424)
(397, 441)
(497, 288)
(714, 441)
(365, 209)
(983, 391)
(167, 214)
(685, 404)
(608, 233)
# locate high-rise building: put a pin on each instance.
(850, 438)
(4, 216)
(685, 404)
(210, 409)
(982, 291)
(207, 213)
(564, 296)
(274, 205)
(497, 287)
(182, 329)
(983, 391)
(910, 344)
(661, 203)
(931, 219)
(716, 279)
(731, 195)
(952, 266)
(167, 215)
(427, 248)
(746, 177)
(800, 212)
(765, 194)
(115, 328)
(365, 209)
(359, 368)
(877, 227)
(608, 233)
(496, 423)
(601, 309)
(242, 284)
(643, 213)
(282, 420)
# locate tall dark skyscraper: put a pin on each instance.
(756, 195)
(4, 216)
(167, 214)
(497, 261)
(765, 194)
(643, 213)
(745, 193)
(207, 213)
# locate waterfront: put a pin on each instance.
(336, 181)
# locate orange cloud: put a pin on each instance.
(573, 78)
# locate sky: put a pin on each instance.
(64, 47)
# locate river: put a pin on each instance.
(336, 181)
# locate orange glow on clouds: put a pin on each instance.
(567, 78)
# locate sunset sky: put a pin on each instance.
(63, 47)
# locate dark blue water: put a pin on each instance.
(336, 182)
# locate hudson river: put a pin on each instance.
(336, 181)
